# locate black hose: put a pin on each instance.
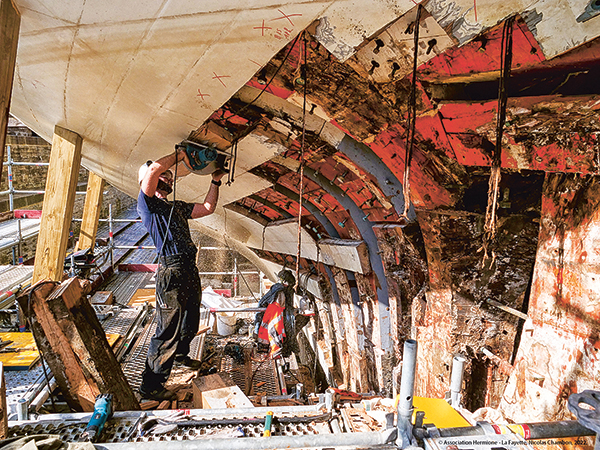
(537, 430)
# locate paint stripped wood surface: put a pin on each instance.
(75, 346)
(559, 351)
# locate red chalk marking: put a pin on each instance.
(262, 28)
(200, 94)
(218, 77)
(287, 16)
(279, 34)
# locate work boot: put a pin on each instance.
(186, 361)
(160, 394)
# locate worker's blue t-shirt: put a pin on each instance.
(155, 212)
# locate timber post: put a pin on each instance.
(57, 212)
(3, 405)
(10, 21)
(91, 212)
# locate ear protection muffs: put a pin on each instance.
(142, 171)
(161, 184)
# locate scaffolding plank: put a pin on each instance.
(254, 376)
(10, 230)
(11, 276)
(21, 354)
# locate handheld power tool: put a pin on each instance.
(204, 160)
(102, 412)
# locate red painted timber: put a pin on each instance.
(425, 192)
(483, 54)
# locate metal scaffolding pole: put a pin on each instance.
(456, 379)
(110, 236)
(407, 386)
(17, 248)
(235, 277)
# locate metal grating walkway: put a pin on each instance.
(135, 363)
(124, 285)
(307, 420)
(9, 231)
(261, 374)
(14, 275)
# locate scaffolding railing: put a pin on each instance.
(11, 192)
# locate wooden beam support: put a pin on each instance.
(406, 273)
(346, 254)
(57, 212)
(73, 343)
(355, 336)
(551, 78)
(3, 410)
(91, 212)
(10, 21)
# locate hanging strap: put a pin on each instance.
(412, 114)
(301, 169)
(495, 175)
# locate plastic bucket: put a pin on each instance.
(225, 323)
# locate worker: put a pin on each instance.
(178, 289)
(281, 293)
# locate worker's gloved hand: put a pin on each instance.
(163, 429)
(176, 416)
(163, 425)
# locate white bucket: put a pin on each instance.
(225, 323)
